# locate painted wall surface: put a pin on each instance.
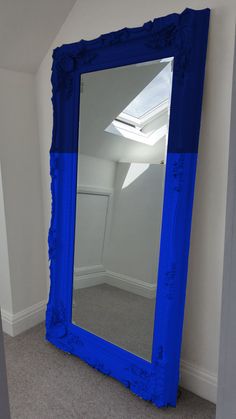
(5, 284)
(226, 402)
(133, 245)
(21, 179)
(202, 314)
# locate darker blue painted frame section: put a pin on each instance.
(184, 37)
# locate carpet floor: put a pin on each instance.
(121, 317)
(45, 383)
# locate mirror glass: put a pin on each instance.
(123, 135)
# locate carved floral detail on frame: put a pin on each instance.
(66, 65)
(175, 36)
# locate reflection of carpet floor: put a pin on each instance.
(120, 317)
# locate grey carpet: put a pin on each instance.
(45, 383)
(120, 317)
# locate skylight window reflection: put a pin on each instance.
(131, 133)
(146, 118)
(155, 93)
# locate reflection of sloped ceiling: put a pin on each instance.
(104, 95)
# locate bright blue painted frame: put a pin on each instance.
(184, 37)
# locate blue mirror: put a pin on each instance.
(127, 110)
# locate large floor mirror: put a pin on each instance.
(124, 118)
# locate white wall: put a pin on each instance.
(5, 284)
(133, 245)
(202, 319)
(22, 190)
(226, 401)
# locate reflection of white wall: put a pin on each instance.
(133, 246)
(117, 231)
(91, 214)
(95, 184)
(96, 172)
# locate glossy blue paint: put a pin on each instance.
(184, 37)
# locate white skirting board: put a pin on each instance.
(14, 324)
(89, 276)
(193, 377)
(115, 279)
(198, 380)
(90, 280)
(130, 284)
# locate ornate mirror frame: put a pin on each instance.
(184, 37)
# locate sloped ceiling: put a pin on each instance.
(27, 29)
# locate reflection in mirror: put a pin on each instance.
(124, 117)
